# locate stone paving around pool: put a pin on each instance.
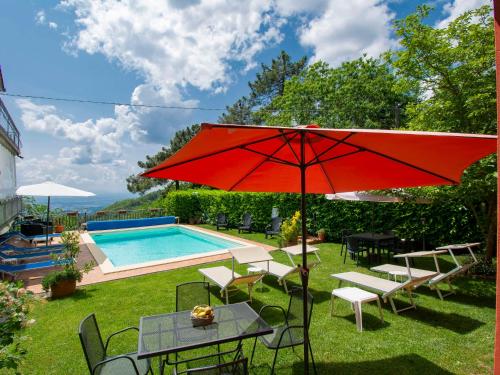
(33, 279)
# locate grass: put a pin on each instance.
(453, 336)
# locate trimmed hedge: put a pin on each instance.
(441, 222)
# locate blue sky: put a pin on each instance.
(172, 52)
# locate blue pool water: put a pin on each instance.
(144, 245)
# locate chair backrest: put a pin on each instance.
(295, 313)
(221, 218)
(247, 219)
(91, 340)
(345, 232)
(190, 294)
(352, 244)
(276, 224)
(238, 367)
(247, 279)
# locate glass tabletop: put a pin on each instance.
(174, 332)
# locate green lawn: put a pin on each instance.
(454, 336)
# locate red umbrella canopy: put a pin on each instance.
(259, 158)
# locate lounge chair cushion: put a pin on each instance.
(415, 272)
(279, 270)
(368, 281)
(221, 275)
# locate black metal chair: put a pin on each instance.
(222, 221)
(343, 238)
(95, 352)
(354, 247)
(246, 223)
(291, 332)
(274, 228)
(188, 295)
(237, 367)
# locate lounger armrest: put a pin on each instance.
(117, 333)
(117, 358)
(265, 307)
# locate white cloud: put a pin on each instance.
(174, 43)
(90, 177)
(455, 8)
(96, 141)
(40, 17)
(348, 29)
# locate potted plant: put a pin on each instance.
(290, 230)
(62, 283)
(58, 228)
(322, 234)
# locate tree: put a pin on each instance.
(268, 85)
(453, 72)
(239, 113)
(362, 93)
(138, 184)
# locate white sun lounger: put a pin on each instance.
(226, 278)
(386, 288)
(279, 270)
(438, 277)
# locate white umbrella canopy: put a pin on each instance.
(51, 189)
(362, 196)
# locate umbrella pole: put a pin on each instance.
(304, 272)
(47, 226)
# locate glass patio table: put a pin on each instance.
(174, 332)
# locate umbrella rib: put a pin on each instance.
(321, 166)
(290, 146)
(257, 166)
(337, 157)
(390, 158)
(316, 159)
(270, 156)
(160, 168)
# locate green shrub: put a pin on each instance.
(290, 230)
(441, 222)
(14, 308)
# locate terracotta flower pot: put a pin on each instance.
(63, 288)
(59, 228)
(321, 236)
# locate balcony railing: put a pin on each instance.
(9, 129)
(74, 220)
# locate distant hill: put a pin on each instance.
(135, 203)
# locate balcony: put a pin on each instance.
(8, 129)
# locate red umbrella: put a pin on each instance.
(314, 160)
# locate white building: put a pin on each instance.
(10, 148)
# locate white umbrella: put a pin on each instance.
(51, 189)
(362, 196)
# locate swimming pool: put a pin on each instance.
(148, 246)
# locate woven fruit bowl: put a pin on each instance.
(202, 315)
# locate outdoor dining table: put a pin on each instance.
(374, 239)
(171, 333)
